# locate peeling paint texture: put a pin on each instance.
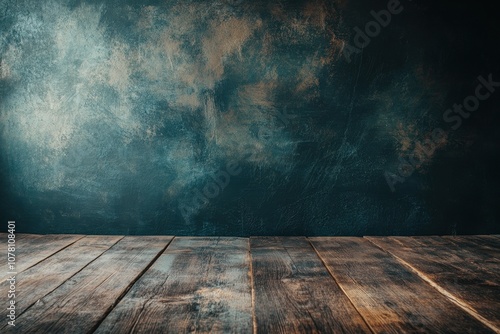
(115, 114)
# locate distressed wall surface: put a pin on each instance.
(244, 117)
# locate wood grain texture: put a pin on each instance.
(471, 275)
(294, 293)
(78, 305)
(391, 297)
(197, 285)
(33, 248)
(479, 252)
(479, 244)
(36, 282)
(77, 284)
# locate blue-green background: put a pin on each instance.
(113, 113)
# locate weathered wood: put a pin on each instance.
(31, 249)
(415, 284)
(36, 282)
(486, 245)
(477, 253)
(197, 285)
(455, 272)
(391, 297)
(294, 293)
(80, 303)
(493, 240)
(490, 240)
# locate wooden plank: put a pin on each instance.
(294, 293)
(454, 272)
(31, 249)
(475, 251)
(390, 296)
(36, 282)
(197, 285)
(78, 305)
(492, 240)
(482, 244)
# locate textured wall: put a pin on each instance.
(244, 117)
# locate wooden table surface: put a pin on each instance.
(164, 284)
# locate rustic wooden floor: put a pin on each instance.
(160, 284)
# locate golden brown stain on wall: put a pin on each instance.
(405, 136)
(224, 39)
(316, 13)
(335, 50)
(4, 70)
(421, 146)
(119, 67)
(308, 81)
(146, 17)
(260, 94)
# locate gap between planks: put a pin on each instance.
(252, 287)
(187, 288)
(72, 238)
(455, 300)
(422, 275)
(64, 281)
(390, 295)
(130, 286)
(340, 286)
(84, 277)
(295, 293)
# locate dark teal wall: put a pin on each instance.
(245, 117)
